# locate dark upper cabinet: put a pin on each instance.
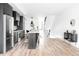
(15, 23)
(16, 18)
(7, 9)
(14, 15)
(21, 23)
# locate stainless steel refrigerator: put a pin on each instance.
(8, 23)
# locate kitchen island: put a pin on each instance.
(33, 39)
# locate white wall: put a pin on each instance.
(36, 22)
(37, 19)
(62, 22)
(28, 21)
(27, 24)
(49, 22)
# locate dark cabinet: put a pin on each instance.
(66, 36)
(16, 16)
(15, 37)
(8, 42)
(32, 40)
(72, 37)
(16, 19)
(21, 34)
(1, 28)
(21, 23)
(7, 9)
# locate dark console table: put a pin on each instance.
(72, 37)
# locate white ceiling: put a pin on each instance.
(31, 9)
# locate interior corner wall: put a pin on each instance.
(62, 22)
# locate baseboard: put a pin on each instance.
(56, 36)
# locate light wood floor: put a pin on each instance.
(53, 47)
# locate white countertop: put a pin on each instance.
(18, 30)
(34, 31)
